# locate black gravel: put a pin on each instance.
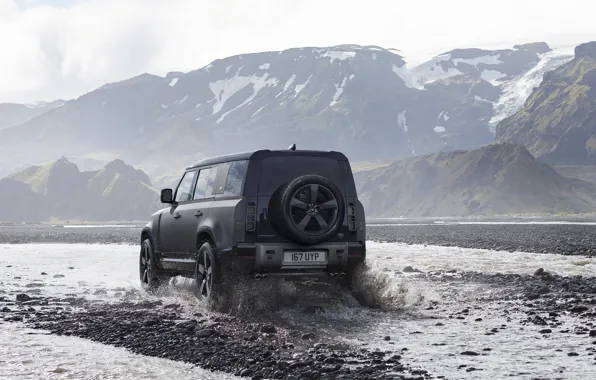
(21, 234)
(224, 344)
(540, 238)
(564, 239)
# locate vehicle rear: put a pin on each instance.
(303, 216)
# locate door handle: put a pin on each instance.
(199, 213)
(177, 215)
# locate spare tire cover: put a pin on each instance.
(308, 210)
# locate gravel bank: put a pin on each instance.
(564, 239)
(225, 344)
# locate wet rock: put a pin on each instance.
(23, 297)
(593, 333)
(44, 274)
(545, 331)
(469, 353)
(572, 354)
(410, 269)
(579, 309)
(387, 338)
(268, 329)
(204, 333)
(58, 276)
(313, 309)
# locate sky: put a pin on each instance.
(64, 48)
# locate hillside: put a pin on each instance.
(348, 98)
(59, 190)
(495, 179)
(558, 121)
(14, 114)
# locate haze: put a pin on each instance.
(64, 48)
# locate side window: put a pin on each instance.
(201, 187)
(183, 190)
(231, 179)
(211, 181)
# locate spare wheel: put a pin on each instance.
(308, 210)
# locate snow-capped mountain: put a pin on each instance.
(362, 100)
(558, 120)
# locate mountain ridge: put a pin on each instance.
(497, 179)
(59, 190)
(557, 120)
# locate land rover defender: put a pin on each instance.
(289, 213)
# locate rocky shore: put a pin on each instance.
(564, 239)
(561, 239)
(220, 343)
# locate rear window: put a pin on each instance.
(230, 181)
(278, 170)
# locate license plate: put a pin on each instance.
(307, 257)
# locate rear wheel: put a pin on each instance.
(208, 274)
(150, 275)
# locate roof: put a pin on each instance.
(260, 154)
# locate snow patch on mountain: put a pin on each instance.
(517, 90)
(492, 76)
(439, 129)
(173, 82)
(432, 70)
(258, 83)
(300, 87)
(259, 110)
(287, 85)
(339, 55)
(486, 59)
(401, 121)
(406, 75)
(265, 66)
(339, 88)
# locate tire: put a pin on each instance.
(208, 275)
(151, 276)
(309, 210)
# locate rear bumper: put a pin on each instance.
(275, 258)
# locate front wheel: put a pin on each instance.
(208, 274)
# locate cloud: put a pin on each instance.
(69, 49)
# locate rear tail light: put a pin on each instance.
(351, 217)
(251, 217)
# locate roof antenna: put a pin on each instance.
(292, 147)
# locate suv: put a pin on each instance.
(287, 213)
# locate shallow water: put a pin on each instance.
(31, 354)
(411, 309)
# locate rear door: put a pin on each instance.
(194, 213)
(278, 170)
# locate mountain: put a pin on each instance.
(59, 190)
(14, 114)
(558, 121)
(500, 178)
(361, 100)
